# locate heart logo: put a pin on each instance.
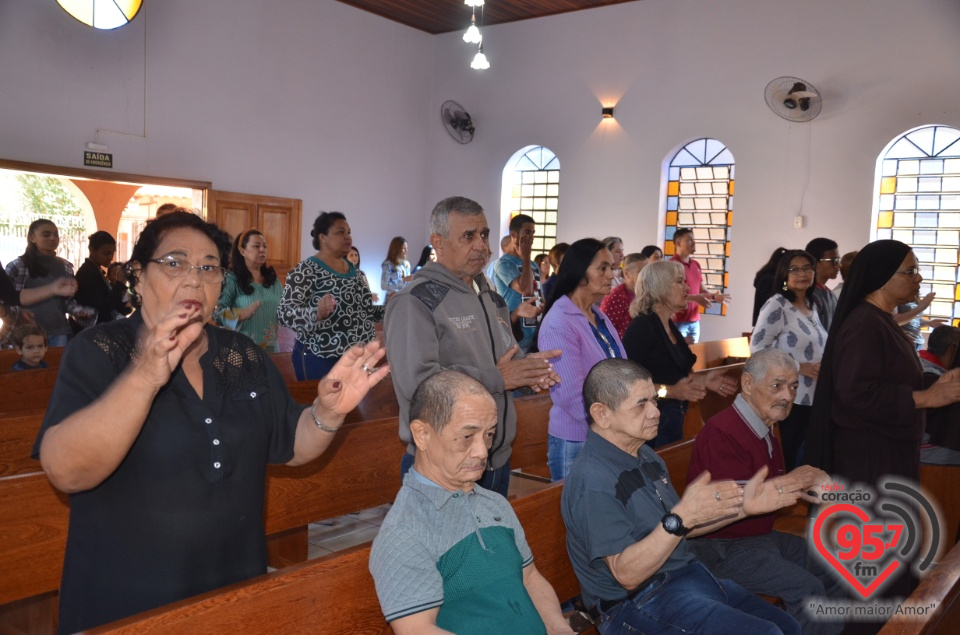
(865, 591)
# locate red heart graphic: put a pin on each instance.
(866, 592)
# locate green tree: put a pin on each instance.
(47, 197)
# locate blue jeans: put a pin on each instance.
(691, 600)
(497, 480)
(672, 414)
(689, 328)
(306, 365)
(560, 456)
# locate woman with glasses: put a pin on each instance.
(250, 296)
(326, 301)
(789, 321)
(869, 406)
(161, 427)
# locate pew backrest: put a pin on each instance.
(26, 390)
(17, 435)
(9, 357)
(718, 352)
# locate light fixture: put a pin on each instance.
(473, 3)
(607, 112)
(480, 62)
(102, 14)
(472, 36)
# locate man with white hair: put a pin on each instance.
(734, 444)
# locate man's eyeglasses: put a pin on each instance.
(178, 267)
(832, 261)
(804, 269)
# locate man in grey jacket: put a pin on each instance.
(450, 318)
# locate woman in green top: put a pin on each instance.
(251, 293)
(326, 301)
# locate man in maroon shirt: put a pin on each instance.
(688, 321)
(734, 444)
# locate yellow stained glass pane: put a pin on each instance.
(671, 219)
(885, 220)
(731, 187)
(888, 185)
(727, 251)
(673, 188)
(957, 294)
(128, 7)
(726, 280)
(729, 219)
(668, 248)
(80, 9)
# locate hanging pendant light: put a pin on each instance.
(473, 3)
(480, 62)
(472, 36)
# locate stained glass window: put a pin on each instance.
(102, 14)
(700, 196)
(534, 184)
(919, 204)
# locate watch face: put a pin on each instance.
(673, 525)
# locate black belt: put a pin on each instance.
(605, 606)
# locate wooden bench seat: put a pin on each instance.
(336, 594)
(9, 357)
(17, 435)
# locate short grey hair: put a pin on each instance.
(440, 216)
(609, 383)
(653, 285)
(631, 260)
(435, 397)
(761, 362)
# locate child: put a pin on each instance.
(31, 344)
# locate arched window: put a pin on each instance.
(531, 186)
(918, 202)
(700, 196)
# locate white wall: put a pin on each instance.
(317, 100)
(682, 69)
(307, 99)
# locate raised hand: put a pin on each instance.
(705, 501)
(247, 313)
(350, 379)
(761, 496)
(164, 345)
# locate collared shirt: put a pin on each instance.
(612, 500)
(461, 551)
(753, 421)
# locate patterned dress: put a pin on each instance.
(781, 325)
(352, 321)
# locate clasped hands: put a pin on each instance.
(534, 370)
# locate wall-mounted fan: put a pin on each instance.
(793, 99)
(457, 121)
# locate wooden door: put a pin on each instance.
(278, 219)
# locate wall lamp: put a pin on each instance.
(607, 112)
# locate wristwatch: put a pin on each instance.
(673, 524)
(662, 391)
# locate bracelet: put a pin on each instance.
(313, 413)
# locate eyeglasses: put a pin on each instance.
(910, 272)
(178, 267)
(832, 261)
(804, 269)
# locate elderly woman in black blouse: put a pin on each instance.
(161, 427)
(653, 341)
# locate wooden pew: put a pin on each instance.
(940, 588)
(529, 455)
(720, 352)
(336, 594)
(9, 357)
(17, 435)
(26, 390)
(940, 481)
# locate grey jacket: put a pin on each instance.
(439, 323)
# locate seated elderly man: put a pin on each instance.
(734, 444)
(626, 525)
(941, 437)
(451, 556)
